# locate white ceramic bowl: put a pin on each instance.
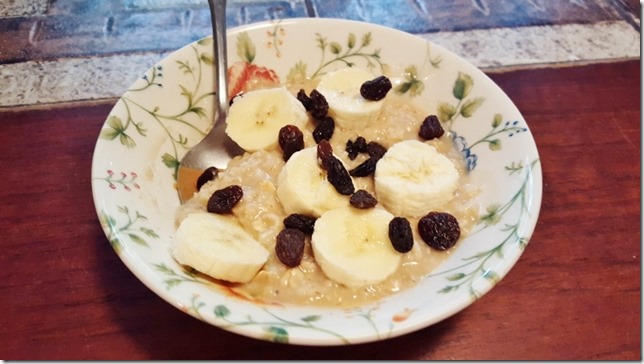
(168, 109)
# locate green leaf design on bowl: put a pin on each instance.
(129, 225)
(481, 265)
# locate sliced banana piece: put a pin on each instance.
(413, 178)
(302, 186)
(348, 108)
(217, 246)
(255, 118)
(352, 246)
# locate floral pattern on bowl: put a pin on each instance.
(169, 109)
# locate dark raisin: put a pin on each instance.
(353, 148)
(319, 105)
(300, 222)
(291, 140)
(208, 175)
(289, 247)
(337, 175)
(222, 201)
(324, 153)
(368, 167)
(431, 128)
(365, 168)
(324, 129)
(362, 199)
(400, 234)
(375, 89)
(352, 152)
(374, 149)
(361, 144)
(304, 99)
(440, 230)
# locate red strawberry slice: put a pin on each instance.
(244, 77)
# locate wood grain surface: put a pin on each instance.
(574, 294)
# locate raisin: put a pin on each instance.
(375, 89)
(208, 175)
(300, 222)
(353, 148)
(440, 230)
(337, 175)
(400, 234)
(368, 167)
(304, 99)
(291, 140)
(361, 144)
(289, 247)
(324, 129)
(319, 106)
(222, 201)
(324, 153)
(352, 151)
(365, 168)
(431, 128)
(362, 199)
(374, 149)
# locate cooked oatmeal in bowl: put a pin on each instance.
(262, 211)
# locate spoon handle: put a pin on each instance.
(218, 16)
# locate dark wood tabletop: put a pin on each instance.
(574, 293)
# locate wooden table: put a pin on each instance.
(574, 294)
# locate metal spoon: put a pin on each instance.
(216, 149)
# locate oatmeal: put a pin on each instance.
(261, 213)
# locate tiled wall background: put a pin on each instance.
(49, 47)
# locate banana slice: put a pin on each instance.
(255, 118)
(302, 186)
(413, 178)
(348, 108)
(217, 246)
(352, 246)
